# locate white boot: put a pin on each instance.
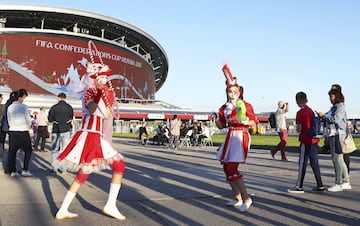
(63, 212)
(110, 207)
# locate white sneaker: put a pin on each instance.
(245, 206)
(14, 174)
(26, 173)
(346, 186)
(335, 188)
(234, 202)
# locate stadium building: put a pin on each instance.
(45, 50)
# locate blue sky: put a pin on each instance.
(275, 48)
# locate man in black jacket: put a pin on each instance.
(61, 116)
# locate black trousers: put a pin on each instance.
(347, 161)
(19, 139)
(41, 134)
(309, 151)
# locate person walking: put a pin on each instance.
(281, 128)
(87, 150)
(346, 156)
(234, 149)
(19, 125)
(308, 145)
(2, 133)
(5, 130)
(335, 127)
(42, 129)
(175, 124)
(34, 127)
(60, 115)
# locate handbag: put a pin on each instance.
(347, 143)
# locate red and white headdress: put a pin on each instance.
(230, 79)
(76, 89)
(96, 69)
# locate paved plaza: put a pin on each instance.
(181, 187)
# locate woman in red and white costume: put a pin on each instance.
(88, 151)
(237, 142)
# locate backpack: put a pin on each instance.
(272, 120)
(316, 130)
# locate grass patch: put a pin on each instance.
(265, 140)
(261, 140)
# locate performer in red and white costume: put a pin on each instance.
(237, 141)
(88, 151)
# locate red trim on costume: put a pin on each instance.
(69, 147)
(83, 123)
(226, 144)
(90, 123)
(243, 128)
(98, 123)
(246, 140)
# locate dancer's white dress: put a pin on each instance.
(87, 150)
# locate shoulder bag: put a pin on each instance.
(347, 143)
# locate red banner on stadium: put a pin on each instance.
(47, 64)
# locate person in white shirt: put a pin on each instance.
(175, 124)
(281, 128)
(42, 129)
(205, 133)
(19, 125)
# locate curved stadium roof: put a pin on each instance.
(82, 23)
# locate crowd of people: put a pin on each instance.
(173, 135)
(27, 130)
(335, 126)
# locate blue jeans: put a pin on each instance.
(58, 139)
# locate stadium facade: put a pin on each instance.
(44, 49)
